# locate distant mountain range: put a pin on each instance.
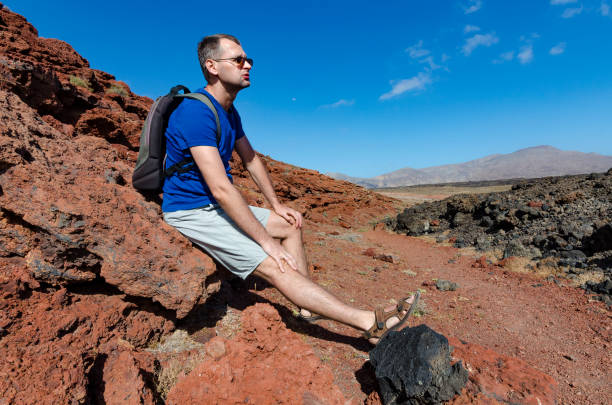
(538, 161)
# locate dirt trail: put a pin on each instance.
(554, 328)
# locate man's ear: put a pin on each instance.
(210, 65)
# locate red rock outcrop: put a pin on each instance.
(84, 258)
(53, 344)
(57, 82)
(79, 221)
(264, 364)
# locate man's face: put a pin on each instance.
(228, 71)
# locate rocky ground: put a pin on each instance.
(101, 302)
(562, 223)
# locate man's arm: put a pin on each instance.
(209, 162)
(260, 176)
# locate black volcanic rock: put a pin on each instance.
(413, 366)
(566, 218)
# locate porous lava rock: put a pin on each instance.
(264, 364)
(565, 221)
(446, 285)
(58, 83)
(78, 221)
(58, 346)
(413, 366)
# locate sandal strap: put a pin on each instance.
(402, 305)
(379, 315)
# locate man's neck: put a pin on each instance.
(224, 96)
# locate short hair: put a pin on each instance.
(208, 48)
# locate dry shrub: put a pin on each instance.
(596, 276)
(117, 89)
(80, 82)
(166, 377)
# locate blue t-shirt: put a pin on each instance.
(193, 124)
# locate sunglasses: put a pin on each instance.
(238, 60)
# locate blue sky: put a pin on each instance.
(365, 88)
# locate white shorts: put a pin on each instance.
(218, 235)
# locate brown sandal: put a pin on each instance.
(311, 318)
(380, 329)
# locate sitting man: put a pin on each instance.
(204, 205)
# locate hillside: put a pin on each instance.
(534, 162)
(101, 302)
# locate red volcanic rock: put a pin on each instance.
(535, 204)
(78, 221)
(51, 77)
(264, 364)
(115, 126)
(52, 344)
(384, 258)
(123, 379)
(481, 263)
(370, 252)
(495, 378)
(435, 222)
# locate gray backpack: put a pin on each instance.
(149, 173)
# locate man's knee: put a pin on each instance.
(279, 227)
(268, 270)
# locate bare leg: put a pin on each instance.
(291, 240)
(298, 288)
(303, 292)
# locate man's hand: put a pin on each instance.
(290, 215)
(276, 252)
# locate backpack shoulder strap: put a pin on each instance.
(206, 100)
(185, 165)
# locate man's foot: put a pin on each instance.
(391, 318)
(306, 315)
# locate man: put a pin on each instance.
(203, 204)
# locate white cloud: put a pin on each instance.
(423, 55)
(470, 28)
(445, 57)
(478, 40)
(293, 99)
(570, 12)
(504, 57)
(430, 61)
(605, 8)
(339, 103)
(526, 54)
(416, 51)
(474, 5)
(415, 83)
(557, 49)
(557, 2)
